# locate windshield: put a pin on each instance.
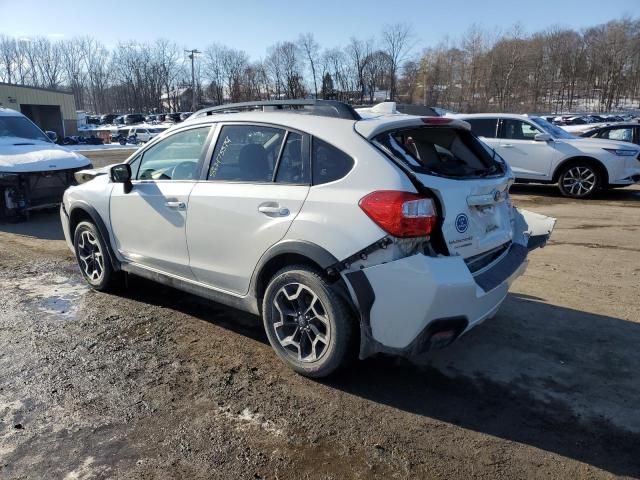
(447, 152)
(554, 130)
(21, 127)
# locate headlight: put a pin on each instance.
(621, 152)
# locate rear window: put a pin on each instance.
(446, 152)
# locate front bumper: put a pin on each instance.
(629, 174)
(406, 305)
(27, 191)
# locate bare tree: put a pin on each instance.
(73, 63)
(311, 50)
(359, 52)
(8, 58)
(396, 42)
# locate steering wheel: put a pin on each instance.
(147, 174)
(184, 171)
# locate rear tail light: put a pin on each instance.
(401, 214)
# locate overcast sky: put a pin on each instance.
(254, 25)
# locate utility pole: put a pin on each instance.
(192, 56)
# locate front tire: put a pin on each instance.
(579, 180)
(93, 258)
(308, 324)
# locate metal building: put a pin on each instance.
(49, 109)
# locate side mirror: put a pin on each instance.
(122, 174)
(543, 137)
(53, 136)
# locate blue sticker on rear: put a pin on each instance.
(462, 223)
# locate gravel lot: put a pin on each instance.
(155, 383)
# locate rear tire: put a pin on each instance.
(93, 258)
(308, 324)
(579, 180)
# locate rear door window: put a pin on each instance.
(483, 127)
(246, 153)
(448, 152)
(329, 163)
(293, 166)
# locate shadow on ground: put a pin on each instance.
(478, 401)
(44, 225)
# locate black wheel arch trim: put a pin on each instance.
(312, 251)
(100, 225)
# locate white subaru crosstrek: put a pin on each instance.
(540, 152)
(391, 234)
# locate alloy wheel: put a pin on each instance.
(90, 255)
(579, 181)
(301, 324)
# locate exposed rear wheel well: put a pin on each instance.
(600, 168)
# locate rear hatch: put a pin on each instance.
(470, 182)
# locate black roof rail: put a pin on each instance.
(324, 108)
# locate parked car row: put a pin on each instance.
(136, 118)
(563, 120)
(137, 134)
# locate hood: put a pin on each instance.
(600, 143)
(18, 155)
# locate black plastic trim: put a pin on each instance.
(537, 241)
(365, 298)
(247, 303)
(100, 225)
(310, 250)
(326, 108)
(503, 269)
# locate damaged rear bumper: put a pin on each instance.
(415, 304)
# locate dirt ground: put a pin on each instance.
(154, 383)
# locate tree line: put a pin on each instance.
(555, 70)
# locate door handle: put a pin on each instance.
(175, 204)
(275, 211)
(507, 145)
